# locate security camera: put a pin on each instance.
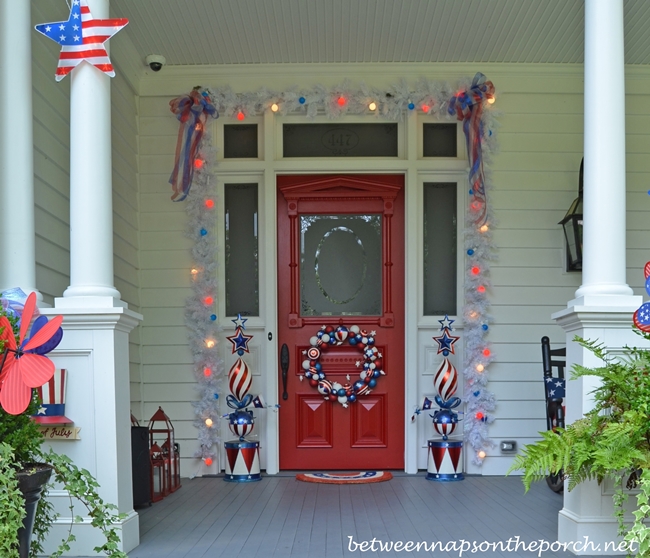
(155, 62)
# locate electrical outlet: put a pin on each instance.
(508, 446)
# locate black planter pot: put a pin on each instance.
(31, 481)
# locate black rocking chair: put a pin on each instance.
(554, 393)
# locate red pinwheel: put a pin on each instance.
(22, 368)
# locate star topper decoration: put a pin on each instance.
(239, 342)
(446, 342)
(82, 37)
(239, 321)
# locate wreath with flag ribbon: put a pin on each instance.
(371, 365)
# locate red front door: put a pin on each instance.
(341, 267)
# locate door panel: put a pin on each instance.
(340, 262)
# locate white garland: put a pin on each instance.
(202, 325)
(429, 97)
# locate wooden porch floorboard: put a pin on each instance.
(283, 517)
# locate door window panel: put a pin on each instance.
(340, 268)
(242, 257)
(339, 140)
(440, 248)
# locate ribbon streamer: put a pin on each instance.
(192, 111)
(468, 106)
(451, 403)
(236, 404)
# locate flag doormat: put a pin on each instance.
(359, 477)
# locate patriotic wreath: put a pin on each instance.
(371, 364)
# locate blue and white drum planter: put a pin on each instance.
(242, 461)
(445, 461)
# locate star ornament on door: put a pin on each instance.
(82, 37)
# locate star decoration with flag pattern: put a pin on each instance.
(82, 37)
(239, 342)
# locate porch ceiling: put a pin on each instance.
(206, 32)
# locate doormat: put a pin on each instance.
(361, 477)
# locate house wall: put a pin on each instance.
(52, 179)
(535, 177)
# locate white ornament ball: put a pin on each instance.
(313, 341)
(325, 338)
(305, 364)
(355, 329)
(343, 399)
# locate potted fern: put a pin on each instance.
(610, 441)
(25, 467)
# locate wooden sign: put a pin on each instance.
(60, 432)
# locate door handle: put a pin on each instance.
(284, 363)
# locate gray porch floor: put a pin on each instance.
(281, 516)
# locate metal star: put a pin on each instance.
(239, 321)
(94, 32)
(445, 342)
(239, 342)
(446, 323)
(41, 410)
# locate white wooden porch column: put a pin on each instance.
(17, 237)
(603, 307)
(91, 185)
(96, 324)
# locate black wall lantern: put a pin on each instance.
(572, 225)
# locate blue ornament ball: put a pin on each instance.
(371, 341)
(240, 352)
(372, 383)
(477, 393)
(203, 232)
(485, 327)
(352, 340)
(302, 100)
(471, 192)
(470, 252)
(341, 392)
(213, 317)
(411, 106)
(376, 373)
(445, 352)
(352, 398)
(318, 366)
(320, 334)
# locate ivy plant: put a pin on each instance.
(21, 445)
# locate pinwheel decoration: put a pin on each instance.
(24, 365)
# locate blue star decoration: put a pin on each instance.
(239, 342)
(239, 321)
(446, 323)
(82, 37)
(446, 342)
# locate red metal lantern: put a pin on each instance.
(159, 474)
(161, 433)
